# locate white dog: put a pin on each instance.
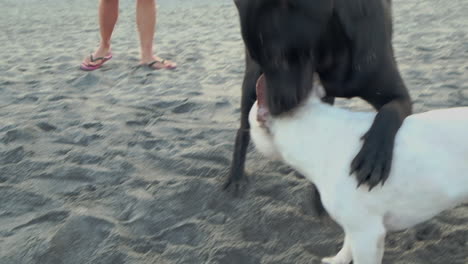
(429, 172)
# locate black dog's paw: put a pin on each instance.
(372, 164)
(236, 183)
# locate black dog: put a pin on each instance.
(348, 44)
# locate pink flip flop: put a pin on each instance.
(91, 67)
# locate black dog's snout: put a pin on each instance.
(287, 89)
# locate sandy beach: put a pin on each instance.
(125, 165)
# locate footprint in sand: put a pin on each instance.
(13, 156)
(157, 144)
(46, 127)
(76, 241)
(230, 255)
(96, 125)
(184, 108)
(49, 217)
(22, 135)
(187, 234)
(22, 202)
(88, 80)
(84, 140)
(141, 122)
(207, 155)
(143, 246)
(26, 99)
(58, 98)
(84, 159)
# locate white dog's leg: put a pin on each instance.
(367, 244)
(344, 256)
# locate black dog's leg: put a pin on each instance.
(372, 163)
(376, 79)
(252, 73)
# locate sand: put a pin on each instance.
(126, 165)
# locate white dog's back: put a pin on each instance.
(429, 170)
(429, 173)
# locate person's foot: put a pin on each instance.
(158, 63)
(96, 59)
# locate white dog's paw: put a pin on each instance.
(334, 260)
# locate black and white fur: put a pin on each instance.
(348, 45)
(429, 173)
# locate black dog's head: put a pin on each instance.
(282, 36)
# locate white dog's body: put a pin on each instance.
(429, 172)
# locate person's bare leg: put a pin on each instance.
(108, 14)
(146, 24)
